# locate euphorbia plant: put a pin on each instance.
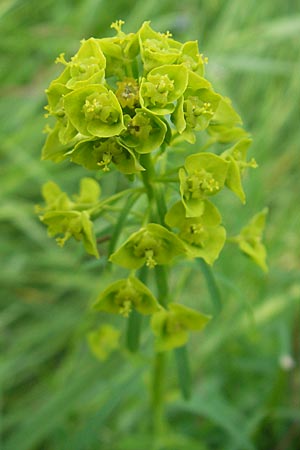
(139, 104)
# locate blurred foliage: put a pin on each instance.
(54, 393)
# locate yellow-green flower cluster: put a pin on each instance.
(126, 95)
(118, 100)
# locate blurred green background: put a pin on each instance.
(55, 395)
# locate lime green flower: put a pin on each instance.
(95, 154)
(86, 67)
(196, 108)
(94, 111)
(156, 48)
(122, 296)
(151, 245)
(120, 52)
(128, 93)
(54, 149)
(191, 58)
(203, 236)
(162, 86)
(145, 132)
(225, 124)
(66, 218)
(204, 175)
(250, 239)
(236, 156)
(104, 341)
(171, 327)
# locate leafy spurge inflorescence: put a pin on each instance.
(126, 103)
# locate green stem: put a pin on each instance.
(166, 180)
(133, 331)
(157, 387)
(183, 370)
(97, 210)
(134, 325)
(121, 220)
(158, 393)
(212, 286)
(162, 285)
(148, 175)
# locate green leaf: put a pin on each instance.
(151, 245)
(212, 287)
(122, 296)
(94, 111)
(171, 326)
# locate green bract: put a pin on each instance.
(151, 245)
(86, 67)
(145, 132)
(162, 87)
(236, 156)
(203, 236)
(224, 125)
(157, 49)
(204, 176)
(196, 108)
(54, 149)
(66, 218)
(100, 153)
(250, 239)
(103, 341)
(94, 111)
(171, 326)
(120, 52)
(124, 295)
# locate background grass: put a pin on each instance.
(54, 394)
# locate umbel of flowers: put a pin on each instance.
(122, 103)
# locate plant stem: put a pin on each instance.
(157, 387)
(133, 331)
(134, 325)
(157, 392)
(212, 286)
(183, 369)
(148, 175)
(97, 210)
